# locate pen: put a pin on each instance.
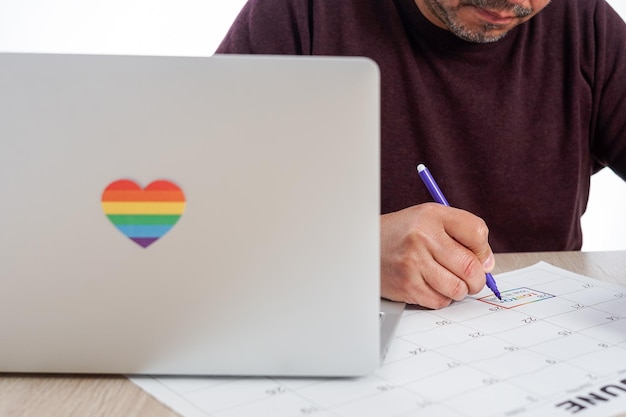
(438, 196)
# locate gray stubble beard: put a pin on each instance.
(473, 35)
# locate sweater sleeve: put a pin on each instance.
(270, 27)
(609, 135)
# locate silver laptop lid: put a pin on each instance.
(189, 215)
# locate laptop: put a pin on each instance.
(190, 216)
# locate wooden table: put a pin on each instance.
(605, 266)
(84, 396)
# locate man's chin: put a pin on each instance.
(487, 35)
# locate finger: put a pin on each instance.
(472, 232)
(426, 296)
(445, 282)
(435, 286)
(405, 282)
(463, 228)
(411, 287)
(463, 265)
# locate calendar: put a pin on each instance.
(555, 345)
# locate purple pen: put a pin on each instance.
(438, 196)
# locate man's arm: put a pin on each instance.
(609, 88)
(430, 254)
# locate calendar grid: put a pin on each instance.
(555, 345)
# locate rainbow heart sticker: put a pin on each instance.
(143, 215)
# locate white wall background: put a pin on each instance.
(195, 28)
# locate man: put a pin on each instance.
(512, 104)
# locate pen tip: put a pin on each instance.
(420, 167)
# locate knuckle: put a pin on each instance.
(405, 265)
(417, 238)
(459, 290)
(427, 208)
(469, 266)
(473, 275)
(482, 231)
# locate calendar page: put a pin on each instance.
(554, 346)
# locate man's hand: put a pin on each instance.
(432, 254)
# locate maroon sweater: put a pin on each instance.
(512, 130)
